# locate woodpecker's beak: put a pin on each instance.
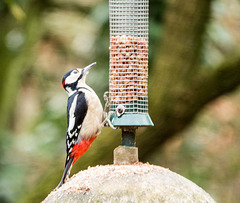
(87, 68)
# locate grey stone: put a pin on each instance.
(128, 183)
(125, 155)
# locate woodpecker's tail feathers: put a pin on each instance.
(66, 172)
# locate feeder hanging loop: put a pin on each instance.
(106, 107)
(106, 116)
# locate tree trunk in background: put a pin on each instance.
(179, 87)
(172, 93)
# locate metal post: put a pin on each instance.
(128, 136)
(127, 153)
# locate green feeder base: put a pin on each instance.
(131, 119)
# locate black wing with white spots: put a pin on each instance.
(75, 121)
(78, 105)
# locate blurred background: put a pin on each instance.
(194, 99)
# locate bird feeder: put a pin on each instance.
(128, 71)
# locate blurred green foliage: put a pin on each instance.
(42, 39)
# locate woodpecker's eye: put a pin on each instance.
(75, 72)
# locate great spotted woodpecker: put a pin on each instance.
(84, 117)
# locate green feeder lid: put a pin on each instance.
(131, 119)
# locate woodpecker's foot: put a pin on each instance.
(107, 121)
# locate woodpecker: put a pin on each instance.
(84, 117)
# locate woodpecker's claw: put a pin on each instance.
(110, 124)
(107, 121)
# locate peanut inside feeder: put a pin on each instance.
(128, 69)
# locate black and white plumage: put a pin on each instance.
(84, 116)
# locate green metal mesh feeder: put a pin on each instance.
(128, 67)
(128, 73)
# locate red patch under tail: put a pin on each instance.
(80, 148)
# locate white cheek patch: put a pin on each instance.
(72, 78)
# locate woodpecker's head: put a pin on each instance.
(75, 78)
